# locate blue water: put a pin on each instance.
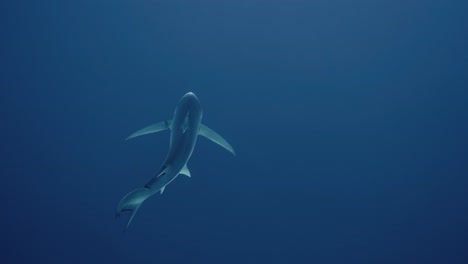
(349, 118)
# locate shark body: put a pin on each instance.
(185, 128)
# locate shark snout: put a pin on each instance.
(190, 95)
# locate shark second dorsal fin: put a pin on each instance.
(160, 126)
(215, 137)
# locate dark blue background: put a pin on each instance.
(350, 119)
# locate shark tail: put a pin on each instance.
(132, 202)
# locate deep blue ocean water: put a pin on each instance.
(349, 118)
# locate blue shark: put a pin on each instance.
(185, 128)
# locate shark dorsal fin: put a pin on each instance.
(185, 171)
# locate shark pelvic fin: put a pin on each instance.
(162, 189)
(185, 171)
(160, 126)
(153, 180)
(215, 137)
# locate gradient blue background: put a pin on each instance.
(350, 119)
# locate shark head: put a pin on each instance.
(190, 101)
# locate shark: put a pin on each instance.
(185, 127)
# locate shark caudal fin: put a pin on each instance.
(131, 202)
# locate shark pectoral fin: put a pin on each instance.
(162, 189)
(215, 137)
(160, 126)
(185, 171)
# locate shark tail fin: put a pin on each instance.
(132, 202)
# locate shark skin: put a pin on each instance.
(185, 128)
